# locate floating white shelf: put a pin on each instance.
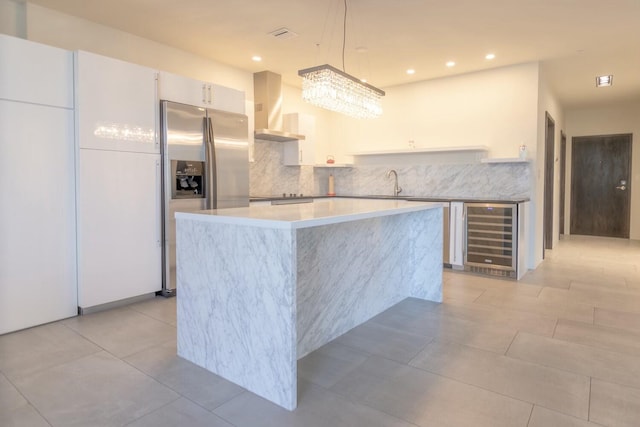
(334, 165)
(422, 150)
(505, 160)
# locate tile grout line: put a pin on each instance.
(531, 414)
(590, 393)
(154, 410)
(220, 415)
(152, 317)
(366, 405)
(511, 343)
(423, 348)
(555, 327)
(55, 365)
(480, 296)
(27, 400)
(491, 391)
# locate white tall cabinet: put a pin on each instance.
(119, 184)
(37, 174)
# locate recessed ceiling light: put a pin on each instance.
(411, 71)
(256, 58)
(603, 81)
(451, 64)
(363, 80)
(490, 56)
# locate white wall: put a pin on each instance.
(496, 108)
(68, 32)
(547, 102)
(607, 120)
(499, 108)
(13, 18)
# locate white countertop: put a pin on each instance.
(304, 215)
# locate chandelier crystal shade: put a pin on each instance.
(327, 87)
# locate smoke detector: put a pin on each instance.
(283, 33)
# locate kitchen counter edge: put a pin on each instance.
(406, 198)
(303, 215)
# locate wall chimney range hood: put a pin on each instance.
(267, 96)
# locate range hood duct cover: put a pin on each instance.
(267, 96)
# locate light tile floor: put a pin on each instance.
(559, 348)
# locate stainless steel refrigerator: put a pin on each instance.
(205, 165)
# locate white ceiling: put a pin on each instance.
(574, 39)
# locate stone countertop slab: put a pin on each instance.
(443, 199)
(303, 215)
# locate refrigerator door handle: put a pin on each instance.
(157, 115)
(159, 238)
(210, 165)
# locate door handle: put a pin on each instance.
(623, 185)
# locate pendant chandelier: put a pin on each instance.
(328, 87)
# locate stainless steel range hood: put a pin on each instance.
(267, 95)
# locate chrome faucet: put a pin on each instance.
(396, 188)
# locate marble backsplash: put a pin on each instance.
(268, 177)
(475, 180)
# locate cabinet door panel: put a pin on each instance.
(118, 226)
(37, 218)
(116, 105)
(176, 88)
(302, 152)
(172, 87)
(36, 73)
(227, 99)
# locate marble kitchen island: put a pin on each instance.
(261, 287)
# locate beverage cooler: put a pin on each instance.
(491, 241)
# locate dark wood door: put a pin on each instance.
(600, 193)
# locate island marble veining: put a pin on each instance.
(236, 305)
(343, 283)
(254, 299)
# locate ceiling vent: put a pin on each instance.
(604, 81)
(283, 34)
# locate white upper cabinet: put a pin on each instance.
(35, 73)
(301, 152)
(116, 105)
(227, 99)
(172, 87)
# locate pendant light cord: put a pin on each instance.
(344, 33)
